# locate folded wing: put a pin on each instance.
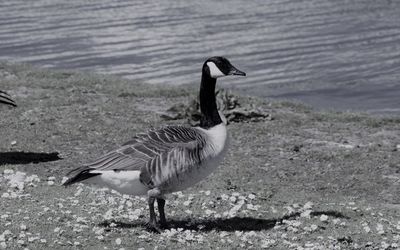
(158, 154)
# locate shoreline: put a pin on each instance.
(353, 98)
(304, 177)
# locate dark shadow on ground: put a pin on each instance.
(331, 213)
(227, 224)
(27, 157)
(231, 224)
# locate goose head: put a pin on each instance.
(219, 66)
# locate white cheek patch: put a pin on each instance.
(214, 70)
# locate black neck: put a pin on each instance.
(208, 106)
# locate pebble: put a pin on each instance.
(251, 196)
(32, 239)
(99, 231)
(306, 214)
(267, 243)
(224, 197)
(384, 245)
(308, 205)
(5, 195)
(64, 179)
(8, 171)
(252, 207)
(323, 218)
(209, 212)
(223, 234)
(379, 229)
(311, 228)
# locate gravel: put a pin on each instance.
(302, 180)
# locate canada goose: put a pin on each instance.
(169, 159)
(6, 99)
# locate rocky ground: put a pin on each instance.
(298, 180)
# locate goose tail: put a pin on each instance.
(78, 175)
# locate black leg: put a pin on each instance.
(161, 205)
(152, 224)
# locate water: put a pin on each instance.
(331, 54)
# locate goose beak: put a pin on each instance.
(236, 72)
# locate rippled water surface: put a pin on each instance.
(340, 54)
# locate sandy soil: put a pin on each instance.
(302, 180)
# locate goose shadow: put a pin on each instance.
(27, 157)
(223, 224)
(205, 225)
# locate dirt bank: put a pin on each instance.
(302, 179)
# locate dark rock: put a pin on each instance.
(227, 103)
